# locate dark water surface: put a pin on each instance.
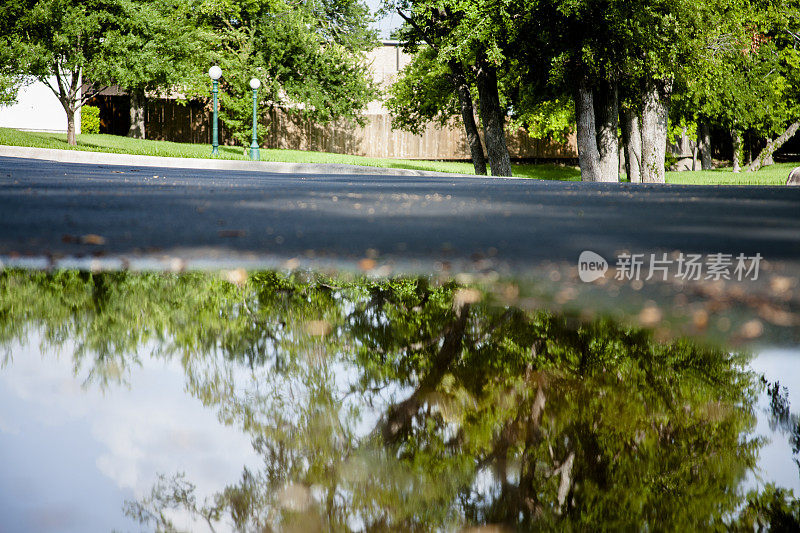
(301, 402)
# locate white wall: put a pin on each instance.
(37, 109)
(386, 61)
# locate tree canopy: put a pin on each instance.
(308, 57)
(60, 42)
(595, 66)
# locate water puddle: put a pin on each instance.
(270, 400)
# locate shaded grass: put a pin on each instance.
(773, 175)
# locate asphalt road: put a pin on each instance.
(65, 209)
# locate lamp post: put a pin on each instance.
(214, 73)
(254, 154)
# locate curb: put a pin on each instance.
(105, 158)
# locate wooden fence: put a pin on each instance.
(169, 121)
(377, 139)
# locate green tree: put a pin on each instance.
(450, 30)
(644, 48)
(428, 91)
(747, 84)
(156, 48)
(61, 43)
(780, 121)
(772, 509)
(308, 56)
(86, 46)
(10, 77)
(435, 87)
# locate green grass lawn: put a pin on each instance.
(773, 175)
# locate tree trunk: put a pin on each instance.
(737, 150)
(401, 415)
(138, 106)
(607, 115)
(492, 117)
(654, 130)
(769, 149)
(632, 138)
(68, 92)
(621, 168)
(468, 116)
(72, 139)
(704, 144)
(588, 154)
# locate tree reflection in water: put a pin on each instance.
(404, 404)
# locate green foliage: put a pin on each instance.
(49, 32)
(424, 93)
(678, 129)
(309, 58)
(409, 405)
(155, 46)
(772, 509)
(669, 160)
(9, 86)
(64, 43)
(549, 119)
(90, 119)
(130, 43)
(748, 82)
(60, 37)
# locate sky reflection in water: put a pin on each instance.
(73, 453)
(357, 395)
(777, 461)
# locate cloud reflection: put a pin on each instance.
(137, 429)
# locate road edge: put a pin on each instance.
(106, 158)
